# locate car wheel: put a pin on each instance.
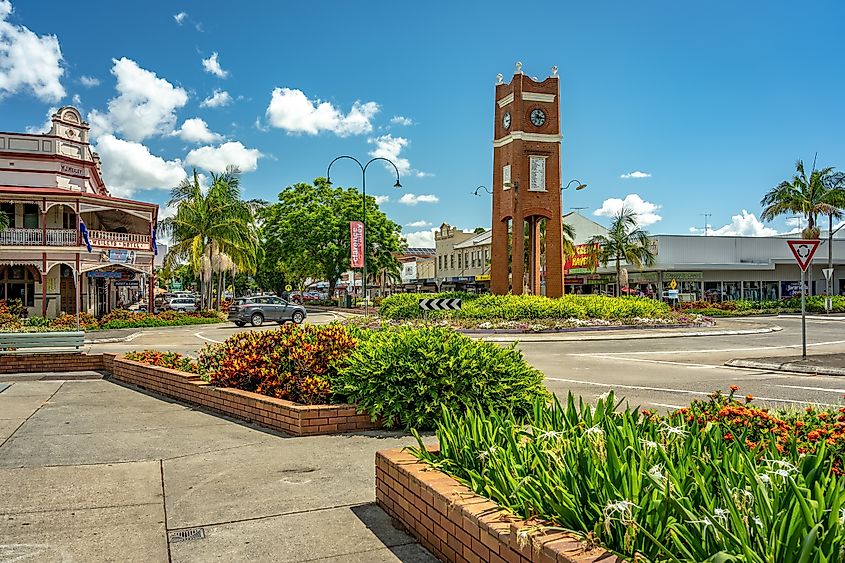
(257, 319)
(298, 317)
(240, 323)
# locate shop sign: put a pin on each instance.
(574, 280)
(599, 280)
(127, 283)
(122, 256)
(483, 277)
(643, 277)
(683, 276)
(792, 288)
(106, 275)
(583, 261)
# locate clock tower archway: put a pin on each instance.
(526, 187)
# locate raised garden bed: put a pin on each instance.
(276, 414)
(457, 525)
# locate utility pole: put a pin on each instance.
(706, 222)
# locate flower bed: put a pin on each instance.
(744, 307)
(399, 375)
(718, 481)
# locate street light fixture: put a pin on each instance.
(579, 187)
(485, 188)
(363, 168)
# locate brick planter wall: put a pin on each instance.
(35, 363)
(285, 416)
(459, 526)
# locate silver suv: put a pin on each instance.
(256, 310)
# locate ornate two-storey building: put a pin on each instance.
(69, 243)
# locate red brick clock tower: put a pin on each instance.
(526, 185)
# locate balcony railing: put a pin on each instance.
(109, 239)
(61, 237)
(67, 237)
(21, 237)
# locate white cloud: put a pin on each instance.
(195, 130)
(216, 159)
(180, 17)
(412, 199)
(129, 166)
(421, 174)
(795, 222)
(646, 211)
(76, 100)
(420, 239)
(29, 62)
(145, 105)
(389, 147)
(418, 224)
(45, 127)
(212, 65)
(380, 199)
(401, 120)
(218, 99)
(89, 81)
(291, 110)
(635, 174)
(260, 126)
(744, 224)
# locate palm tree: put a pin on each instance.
(206, 223)
(4, 221)
(811, 196)
(624, 241)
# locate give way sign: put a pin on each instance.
(803, 251)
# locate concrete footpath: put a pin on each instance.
(94, 471)
(817, 364)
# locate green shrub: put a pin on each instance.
(406, 376)
(651, 488)
(527, 307)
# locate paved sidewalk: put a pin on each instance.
(94, 471)
(818, 364)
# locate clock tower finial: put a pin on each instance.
(526, 187)
(518, 67)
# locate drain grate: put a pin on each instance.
(187, 535)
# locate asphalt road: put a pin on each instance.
(659, 373)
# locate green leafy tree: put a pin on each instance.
(820, 193)
(4, 221)
(306, 234)
(624, 241)
(209, 223)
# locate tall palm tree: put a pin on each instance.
(624, 241)
(810, 196)
(211, 221)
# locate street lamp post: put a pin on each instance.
(485, 188)
(363, 168)
(581, 185)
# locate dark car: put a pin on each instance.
(257, 310)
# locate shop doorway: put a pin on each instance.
(67, 291)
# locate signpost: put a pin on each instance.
(803, 251)
(828, 300)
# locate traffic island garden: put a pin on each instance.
(744, 307)
(533, 313)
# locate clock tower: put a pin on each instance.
(526, 186)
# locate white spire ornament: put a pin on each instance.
(519, 67)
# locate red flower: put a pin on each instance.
(734, 388)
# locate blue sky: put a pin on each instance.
(713, 101)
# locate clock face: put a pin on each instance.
(506, 120)
(538, 117)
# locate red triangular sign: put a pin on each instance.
(803, 251)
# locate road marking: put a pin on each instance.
(667, 406)
(683, 391)
(623, 359)
(713, 351)
(201, 337)
(814, 318)
(841, 391)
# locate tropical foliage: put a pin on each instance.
(625, 242)
(170, 360)
(528, 307)
(213, 230)
(721, 481)
(742, 307)
(406, 376)
(820, 193)
(306, 234)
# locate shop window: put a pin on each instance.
(9, 210)
(770, 290)
(452, 261)
(18, 282)
(732, 291)
(459, 260)
(713, 292)
(751, 291)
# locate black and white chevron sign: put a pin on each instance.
(441, 304)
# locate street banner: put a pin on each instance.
(803, 251)
(584, 261)
(356, 233)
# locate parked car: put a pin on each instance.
(182, 304)
(257, 310)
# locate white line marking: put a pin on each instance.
(712, 351)
(813, 318)
(201, 337)
(841, 391)
(682, 364)
(667, 406)
(684, 391)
